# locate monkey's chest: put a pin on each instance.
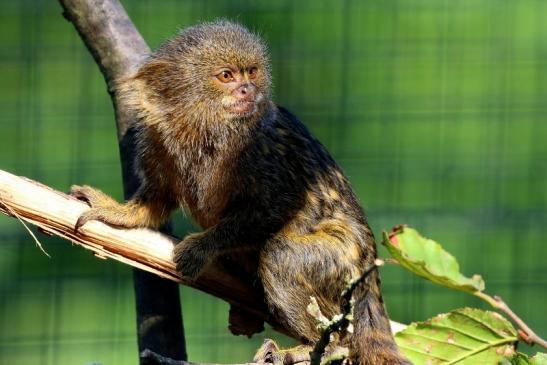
(205, 189)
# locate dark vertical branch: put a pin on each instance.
(117, 47)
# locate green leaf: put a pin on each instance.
(518, 359)
(539, 359)
(428, 259)
(464, 336)
(522, 359)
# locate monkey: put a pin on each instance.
(212, 141)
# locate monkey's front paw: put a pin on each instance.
(93, 197)
(98, 214)
(191, 256)
(103, 207)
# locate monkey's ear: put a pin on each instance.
(154, 70)
(140, 91)
(151, 75)
(159, 78)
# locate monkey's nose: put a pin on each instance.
(245, 92)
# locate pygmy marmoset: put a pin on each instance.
(254, 179)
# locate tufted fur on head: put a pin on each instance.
(174, 84)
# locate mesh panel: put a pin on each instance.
(435, 109)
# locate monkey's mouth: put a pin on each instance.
(241, 108)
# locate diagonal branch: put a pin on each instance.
(56, 213)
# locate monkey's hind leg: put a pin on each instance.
(269, 353)
(294, 268)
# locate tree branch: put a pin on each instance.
(113, 41)
(118, 48)
(56, 213)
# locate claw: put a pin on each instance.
(80, 222)
(84, 218)
(102, 206)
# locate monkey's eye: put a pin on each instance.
(253, 71)
(225, 76)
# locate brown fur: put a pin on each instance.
(259, 182)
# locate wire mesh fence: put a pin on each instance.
(435, 109)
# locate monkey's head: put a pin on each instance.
(211, 73)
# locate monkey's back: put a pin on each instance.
(289, 173)
(317, 235)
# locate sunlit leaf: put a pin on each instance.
(428, 259)
(465, 336)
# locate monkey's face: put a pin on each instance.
(240, 90)
(212, 73)
(233, 67)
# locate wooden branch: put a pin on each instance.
(113, 41)
(340, 322)
(524, 331)
(118, 48)
(56, 213)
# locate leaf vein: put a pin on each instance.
(459, 331)
(500, 335)
(482, 348)
(437, 340)
(423, 353)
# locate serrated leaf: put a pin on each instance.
(428, 259)
(465, 336)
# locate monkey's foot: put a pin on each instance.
(269, 353)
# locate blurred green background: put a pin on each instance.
(435, 109)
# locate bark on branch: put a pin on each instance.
(56, 213)
(117, 47)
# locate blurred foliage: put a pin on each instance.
(434, 108)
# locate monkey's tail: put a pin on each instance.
(372, 340)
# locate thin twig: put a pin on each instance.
(529, 335)
(340, 322)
